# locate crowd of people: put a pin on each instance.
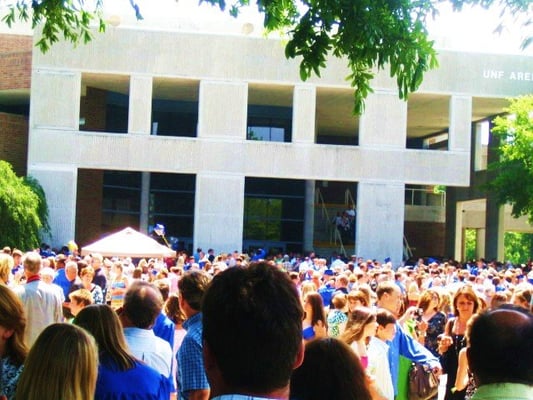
(204, 326)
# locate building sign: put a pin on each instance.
(507, 75)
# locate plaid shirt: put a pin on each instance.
(191, 371)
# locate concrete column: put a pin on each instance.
(223, 110)
(495, 230)
(384, 122)
(380, 220)
(145, 202)
(60, 110)
(309, 215)
(459, 134)
(494, 213)
(59, 183)
(480, 242)
(304, 114)
(451, 223)
(459, 233)
(218, 211)
(380, 205)
(140, 105)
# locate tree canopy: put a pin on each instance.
(370, 34)
(513, 182)
(23, 209)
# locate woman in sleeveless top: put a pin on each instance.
(118, 286)
(465, 379)
(465, 305)
(314, 323)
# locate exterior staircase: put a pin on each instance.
(327, 239)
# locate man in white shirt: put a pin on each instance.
(42, 303)
(142, 304)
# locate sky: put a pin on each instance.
(468, 30)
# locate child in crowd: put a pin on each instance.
(378, 350)
(336, 317)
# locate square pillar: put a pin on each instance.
(384, 122)
(140, 105)
(304, 114)
(59, 184)
(218, 211)
(480, 242)
(309, 215)
(380, 221)
(494, 230)
(223, 110)
(459, 133)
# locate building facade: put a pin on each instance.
(216, 137)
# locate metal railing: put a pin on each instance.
(337, 238)
(407, 252)
(348, 199)
(330, 227)
(424, 197)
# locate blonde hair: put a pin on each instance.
(307, 287)
(6, 265)
(62, 364)
(87, 271)
(13, 316)
(339, 301)
(81, 296)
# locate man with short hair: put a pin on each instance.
(192, 381)
(60, 278)
(252, 333)
(99, 278)
(142, 304)
(42, 303)
(500, 354)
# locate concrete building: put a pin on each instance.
(217, 138)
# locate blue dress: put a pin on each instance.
(9, 376)
(138, 383)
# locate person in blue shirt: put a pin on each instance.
(120, 374)
(192, 379)
(390, 298)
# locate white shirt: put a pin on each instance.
(146, 346)
(378, 366)
(42, 305)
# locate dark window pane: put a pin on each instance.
(174, 118)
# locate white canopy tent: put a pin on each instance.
(128, 243)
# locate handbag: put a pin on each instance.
(423, 383)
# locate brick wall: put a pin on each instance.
(89, 206)
(15, 61)
(14, 141)
(12, 43)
